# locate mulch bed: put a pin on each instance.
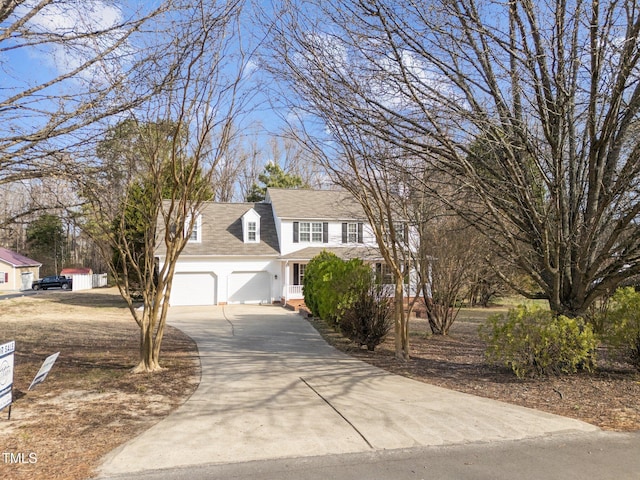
(607, 397)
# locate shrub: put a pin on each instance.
(368, 319)
(621, 324)
(316, 278)
(332, 284)
(532, 341)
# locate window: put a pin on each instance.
(316, 232)
(385, 274)
(298, 273)
(251, 231)
(196, 233)
(401, 230)
(301, 270)
(3, 277)
(352, 233)
(305, 232)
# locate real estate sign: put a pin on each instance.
(44, 370)
(6, 373)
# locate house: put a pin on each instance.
(257, 252)
(17, 271)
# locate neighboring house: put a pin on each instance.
(17, 271)
(257, 252)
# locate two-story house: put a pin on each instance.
(257, 252)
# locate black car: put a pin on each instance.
(53, 281)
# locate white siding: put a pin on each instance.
(335, 237)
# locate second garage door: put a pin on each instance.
(193, 289)
(249, 287)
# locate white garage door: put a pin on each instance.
(193, 289)
(249, 287)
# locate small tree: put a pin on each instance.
(369, 317)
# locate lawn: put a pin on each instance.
(90, 403)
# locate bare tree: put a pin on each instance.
(447, 256)
(183, 133)
(363, 172)
(532, 107)
(86, 62)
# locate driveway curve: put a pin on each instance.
(272, 388)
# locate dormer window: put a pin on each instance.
(196, 232)
(251, 227)
(251, 231)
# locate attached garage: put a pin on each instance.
(193, 289)
(249, 287)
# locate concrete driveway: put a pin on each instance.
(272, 388)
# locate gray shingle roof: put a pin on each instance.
(314, 204)
(345, 253)
(222, 231)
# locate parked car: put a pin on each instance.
(53, 281)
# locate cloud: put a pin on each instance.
(62, 26)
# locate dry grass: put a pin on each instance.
(90, 403)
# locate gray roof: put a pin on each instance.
(222, 231)
(345, 253)
(302, 204)
(17, 260)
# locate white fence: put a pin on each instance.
(89, 281)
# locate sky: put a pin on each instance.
(23, 66)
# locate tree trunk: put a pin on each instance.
(401, 323)
(149, 361)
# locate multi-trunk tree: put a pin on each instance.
(152, 172)
(530, 109)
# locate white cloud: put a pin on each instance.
(62, 23)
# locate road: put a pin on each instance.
(600, 456)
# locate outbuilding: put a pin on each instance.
(17, 271)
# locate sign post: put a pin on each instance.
(6, 375)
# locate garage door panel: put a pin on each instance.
(249, 287)
(195, 288)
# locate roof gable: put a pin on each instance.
(222, 233)
(17, 260)
(314, 204)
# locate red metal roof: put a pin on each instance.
(76, 271)
(16, 259)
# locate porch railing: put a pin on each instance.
(295, 292)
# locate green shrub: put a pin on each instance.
(316, 280)
(368, 319)
(621, 324)
(533, 341)
(332, 284)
